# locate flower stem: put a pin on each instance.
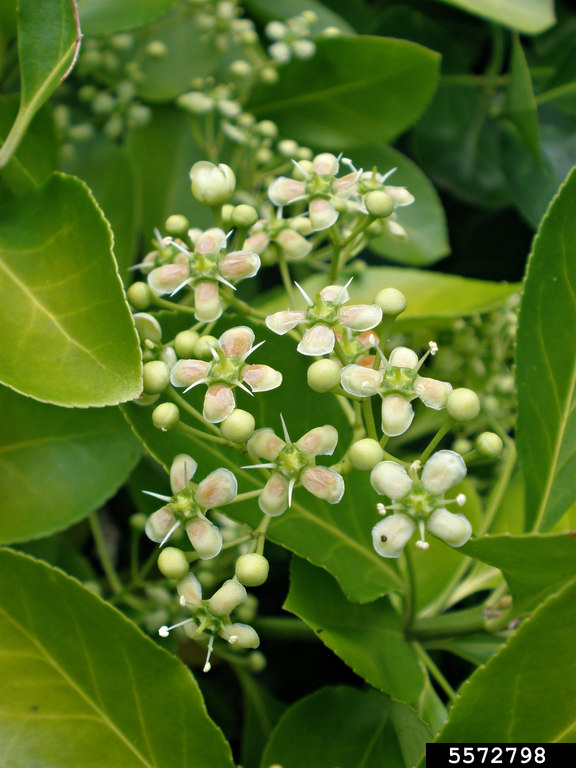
(444, 429)
(435, 672)
(179, 400)
(500, 487)
(369, 418)
(286, 279)
(260, 534)
(186, 429)
(172, 306)
(104, 555)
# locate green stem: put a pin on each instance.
(444, 429)
(286, 279)
(340, 353)
(172, 306)
(499, 489)
(104, 555)
(186, 429)
(410, 593)
(462, 622)
(435, 672)
(284, 628)
(260, 534)
(245, 496)
(243, 307)
(369, 418)
(179, 400)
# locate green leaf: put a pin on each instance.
(330, 100)
(70, 336)
(475, 648)
(534, 565)
(57, 464)
(546, 366)
(102, 17)
(526, 693)
(82, 686)
(48, 39)
(268, 10)
(347, 727)
(528, 16)
(369, 638)
(520, 102)
(261, 713)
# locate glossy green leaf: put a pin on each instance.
(534, 565)
(526, 693)
(71, 337)
(476, 648)
(546, 366)
(528, 16)
(354, 90)
(349, 728)
(369, 638)
(268, 10)
(520, 102)
(261, 713)
(48, 39)
(102, 17)
(82, 686)
(57, 464)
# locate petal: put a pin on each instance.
(391, 535)
(258, 242)
(320, 441)
(182, 471)
(443, 470)
(360, 317)
(451, 527)
(403, 357)
(239, 265)
(360, 381)
(167, 278)
(274, 497)
(218, 403)
(207, 304)
(187, 372)
(322, 214)
(159, 524)
(397, 415)
(324, 483)
(400, 195)
(337, 293)
(205, 537)
(211, 241)
(228, 597)
(190, 589)
(217, 488)
(318, 340)
(432, 392)
(344, 186)
(293, 244)
(148, 327)
(325, 164)
(261, 378)
(282, 322)
(237, 342)
(396, 231)
(265, 444)
(391, 479)
(246, 636)
(368, 339)
(283, 190)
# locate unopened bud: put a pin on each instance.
(185, 343)
(323, 375)
(165, 416)
(252, 569)
(156, 377)
(240, 68)
(203, 346)
(463, 404)
(212, 184)
(177, 225)
(257, 662)
(138, 521)
(268, 75)
(379, 203)
(365, 454)
(139, 296)
(391, 300)
(489, 445)
(224, 600)
(244, 216)
(172, 563)
(196, 102)
(238, 427)
(156, 49)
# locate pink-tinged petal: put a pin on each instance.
(205, 537)
(324, 483)
(258, 242)
(403, 357)
(238, 265)
(159, 524)
(391, 535)
(360, 317)
(167, 278)
(443, 470)
(360, 381)
(318, 340)
(400, 195)
(432, 392)
(335, 293)
(344, 186)
(322, 214)
(395, 230)
(391, 479)
(293, 244)
(187, 372)
(211, 241)
(218, 403)
(190, 589)
(274, 497)
(218, 488)
(237, 342)
(283, 190)
(207, 304)
(282, 322)
(368, 339)
(182, 471)
(320, 441)
(265, 444)
(261, 378)
(325, 164)
(397, 415)
(451, 527)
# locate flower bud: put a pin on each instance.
(489, 445)
(268, 75)
(463, 404)
(238, 427)
(452, 528)
(138, 521)
(172, 563)
(212, 184)
(241, 635)
(203, 345)
(287, 147)
(323, 375)
(185, 343)
(224, 600)
(379, 203)
(240, 68)
(252, 569)
(244, 216)
(139, 296)
(204, 537)
(365, 454)
(156, 377)
(156, 49)
(257, 662)
(177, 225)
(195, 102)
(391, 479)
(165, 416)
(391, 300)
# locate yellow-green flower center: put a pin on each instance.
(291, 462)
(398, 380)
(184, 506)
(204, 265)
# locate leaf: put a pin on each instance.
(546, 366)
(82, 686)
(526, 693)
(369, 638)
(103, 17)
(347, 727)
(71, 337)
(475, 648)
(57, 464)
(528, 16)
(268, 10)
(534, 565)
(520, 102)
(261, 713)
(354, 89)
(48, 40)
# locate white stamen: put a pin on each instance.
(339, 298)
(170, 532)
(245, 388)
(303, 292)
(179, 288)
(137, 266)
(421, 543)
(285, 429)
(252, 349)
(461, 499)
(291, 484)
(157, 495)
(381, 509)
(165, 631)
(207, 666)
(233, 639)
(416, 465)
(433, 347)
(183, 602)
(258, 466)
(196, 383)
(302, 170)
(222, 280)
(181, 248)
(213, 352)
(381, 177)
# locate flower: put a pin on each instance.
(397, 382)
(227, 370)
(294, 464)
(322, 316)
(282, 232)
(188, 506)
(419, 502)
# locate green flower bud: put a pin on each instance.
(463, 404)
(81, 132)
(462, 445)
(238, 427)
(489, 445)
(269, 75)
(240, 68)
(323, 375)
(176, 225)
(202, 348)
(288, 148)
(304, 153)
(268, 129)
(172, 563)
(156, 49)
(125, 90)
(138, 521)
(224, 600)
(252, 569)
(248, 610)
(165, 416)
(392, 301)
(139, 295)
(264, 156)
(114, 126)
(196, 102)
(156, 377)
(212, 184)
(185, 343)
(244, 216)
(303, 170)
(365, 454)
(379, 203)
(257, 662)
(103, 103)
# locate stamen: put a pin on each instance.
(149, 344)
(382, 355)
(302, 170)
(432, 349)
(222, 280)
(381, 508)
(421, 543)
(252, 349)
(416, 466)
(207, 666)
(178, 246)
(258, 466)
(213, 352)
(179, 288)
(245, 388)
(196, 383)
(285, 429)
(233, 639)
(291, 484)
(461, 499)
(339, 298)
(303, 292)
(165, 631)
(170, 532)
(157, 495)
(382, 177)
(137, 266)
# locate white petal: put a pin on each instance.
(246, 636)
(218, 403)
(265, 444)
(443, 470)
(211, 241)
(403, 357)
(293, 244)
(322, 214)
(320, 441)
(325, 164)
(239, 265)
(333, 292)
(207, 304)
(258, 242)
(182, 471)
(261, 378)
(318, 340)
(391, 535)
(397, 415)
(217, 488)
(204, 537)
(400, 195)
(167, 278)
(360, 317)
(324, 483)
(391, 479)
(360, 381)
(187, 372)
(283, 190)
(158, 524)
(451, 527)
(237, 342)
(432, 392)
(273, 500)
(190, 589)
(282, 322)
